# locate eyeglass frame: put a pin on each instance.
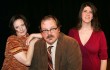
(51, 30)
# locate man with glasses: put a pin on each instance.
(65, 53)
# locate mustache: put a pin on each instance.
(50, 36)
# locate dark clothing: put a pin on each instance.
(68, 55)
(93, 51)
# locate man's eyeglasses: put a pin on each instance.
(51, 30)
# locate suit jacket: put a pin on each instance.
(68, 55)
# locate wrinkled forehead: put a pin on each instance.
(48, 23)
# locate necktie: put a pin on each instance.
(50, 65)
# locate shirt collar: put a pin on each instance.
(54, 44)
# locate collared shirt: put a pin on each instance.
(53, 51)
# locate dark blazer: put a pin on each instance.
(68, 55)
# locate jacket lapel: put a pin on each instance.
(43, 58)
(58, 55)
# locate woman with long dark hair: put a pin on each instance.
(91, 38)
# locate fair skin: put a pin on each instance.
(49, 36)
(86, 31)
(32, 36)
(22, 31)
(20, 27)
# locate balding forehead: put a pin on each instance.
(49, 19)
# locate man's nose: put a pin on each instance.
(49, 31)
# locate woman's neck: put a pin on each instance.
(86, 26)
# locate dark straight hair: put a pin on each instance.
(51, 17)
(13, 19)
(94, 22)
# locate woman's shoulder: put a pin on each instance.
(12, 37)
(99, 32)
(73, 30)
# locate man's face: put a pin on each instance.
(50, 31)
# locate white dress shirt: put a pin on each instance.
(53, 51)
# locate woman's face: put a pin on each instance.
(87, 15)
(20, 27)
